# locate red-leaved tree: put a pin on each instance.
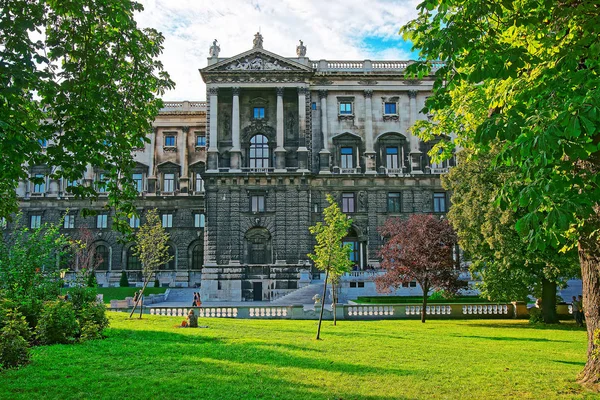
(418, 249)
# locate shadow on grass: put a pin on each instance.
(512, 339)
(525, 325)
(579, 363)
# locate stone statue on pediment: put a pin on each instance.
(258, 41)
(301, 49)
(214, 49)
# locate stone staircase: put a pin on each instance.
(181, 295)
(303, 295)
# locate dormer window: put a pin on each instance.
(259, 113)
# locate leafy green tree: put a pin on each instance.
(525, 73)
(152, 248)
(509, 269)
(81, 77)
(329, 254)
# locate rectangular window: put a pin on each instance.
(257, 204)
(169, 183)
(69, 185)
(394, 202)
(439, 202)
(199, 184)
(348, 202)
(167, 220)
(391, 157)
(413, 284)
(35, 221)
(352, 284)
(390, 108)
(101, 183)
(102, 221)
(134, 221)
(347, 157)
(40, 187)
(43, 143)
(313, 105)
(259, 112)
(200, 141)
(69, 222)
(170, 141)
(345, 108)
(138, 182)
(199, 220)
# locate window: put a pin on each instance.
(439, 202)
(134, 222)
(138, 182)
(313, 105)
(257, 203)
(102, 257)
(35, 221)
(347, 157)
(133, 262)
(69, 185)
(390, 108)
(101, 221)
(259, 152)
(170, 141)
(43, 143)
(345, 108)
(199, 183)
(169, 183)
(391, 157)
(199, 220)
(198, 256)
(354, 250)
(69, 222)
(200, 141)
(259, 112)
(101, 183)
(40, 187)
(171, 264)
(167, 220)
(393, 203)
(348, 202)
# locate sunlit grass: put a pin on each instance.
(257, 359)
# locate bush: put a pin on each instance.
(92, 320)
(14, 337)
(156, 283)
(535, 315)
(124, 282)
(57, 323)
(80, 296)
(441, 295)
(91, 280)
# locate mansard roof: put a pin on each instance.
(256, 60)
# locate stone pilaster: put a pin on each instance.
(213, 151)
(279, 151)
(415, 153)
(370, 151)
(236, 152)
(184, 179)
(302, 149)
(324, 154)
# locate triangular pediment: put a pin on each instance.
(257, 60)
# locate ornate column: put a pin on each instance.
(213, 151)
(324, 154)
(415, 153)
(236, 150)
(302, 150)
(280, 151)
(184, 179)
(370, 151)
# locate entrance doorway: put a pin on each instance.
(257, 289)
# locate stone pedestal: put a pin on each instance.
(151, 184)
(235, 162)
(370, 163)
(302, 159)
(212, 157)
(280, 159)
(324, 156)
(184, 184)
(415, 162)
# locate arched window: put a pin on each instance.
(259, 152)
(198, 256)
(355, 248)
(102, 257)
(133, 262)
(258, 242)
(171, 264)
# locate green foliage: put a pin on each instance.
(535, 316)
(14, 337)
(442, 295)
(156, 283)
(91, 280)
(87, 81)
(92, 321)
(124, 282)
(152, 245)
(57, 324)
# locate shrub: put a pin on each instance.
(124, 282)
(91, 280)
(14, 337)
(156, 283)
(57, 323)
(80, 296)
(92, 320)
(535, 315)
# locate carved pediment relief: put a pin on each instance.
(257, 60)
(257, 63)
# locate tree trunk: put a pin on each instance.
(322, 304)
(549, 301)
(589, 258)
(333, 308)
(424, 307)
(140, 298)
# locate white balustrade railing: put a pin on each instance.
(394, 171)
(370, 311)
(348, 170)
(363, 274)
(208, 312)
(480, 309)
(171, 106)
(390, 65)
(259, 312)
(429, 310)
(258, 170)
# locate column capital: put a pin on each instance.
(279, 91)
(235, 90)
(213, 91)
(412, 94)
(322, 94)
(302, 90)
(368, 94)
(185, 128)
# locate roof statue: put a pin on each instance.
(258, 41)
(214, 49)
(301, 50)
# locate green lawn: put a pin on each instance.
(418, 300)
(119, 293)
(258, 359)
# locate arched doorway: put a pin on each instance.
(357, 249)
(258, 246)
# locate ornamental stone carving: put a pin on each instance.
(368, 94)
(257, 64)
(213, 91)
(301, 50)
(258, 41)
(322, 94)
(412, 94)
(235, 91)
(279, 91)
(214, 49)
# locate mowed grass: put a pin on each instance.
(119, 293)
(280, 359)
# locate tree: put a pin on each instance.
(526, 73)
(85, 259)
(419, 249)
(79, 83)
(509, 269)
(329, 254)
(151, 247)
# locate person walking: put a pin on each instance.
(575, 305)
(580, 313)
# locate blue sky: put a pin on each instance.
(334, 30)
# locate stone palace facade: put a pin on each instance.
(238, 179)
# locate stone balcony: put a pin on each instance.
(365, 66)
(183, 107)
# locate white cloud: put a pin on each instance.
(332, 30)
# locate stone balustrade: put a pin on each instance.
(366, 65)
(183, 106)
(485, 309)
